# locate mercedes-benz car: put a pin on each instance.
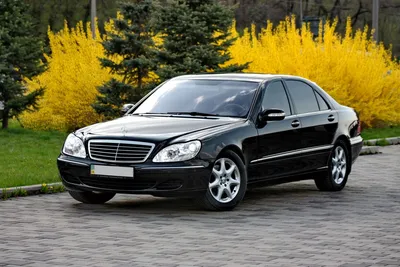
(213, 136)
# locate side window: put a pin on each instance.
(303, 96)
(275, 97)
(321, 102)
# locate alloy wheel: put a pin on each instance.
(339, 165)
(224, 184)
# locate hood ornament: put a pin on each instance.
(123, 130)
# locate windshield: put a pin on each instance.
(201, 97)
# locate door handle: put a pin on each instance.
(331, 118)
(295, 123)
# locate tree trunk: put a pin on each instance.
(5, 119)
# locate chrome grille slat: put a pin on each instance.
(106, 146)
(103, 156)
(104, 152)
(122, 151)
(128, 153)
(134, 148)
(133, 151)
(104, 149)
(130, 148)
(139, 146)
(128, 157)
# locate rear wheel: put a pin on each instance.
(227, 184)
(91, 197)
(338, 169)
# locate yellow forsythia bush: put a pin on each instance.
(74, 72)
(353, 69)
(71, 80)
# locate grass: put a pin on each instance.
(28, 157)
(380, 133)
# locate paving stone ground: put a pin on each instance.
(285, 225)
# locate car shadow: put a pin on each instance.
(288, 196)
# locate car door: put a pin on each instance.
(276, 139)
(319, 123)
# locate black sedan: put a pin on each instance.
(213, 136)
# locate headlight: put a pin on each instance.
(73, 146)
(178, 152)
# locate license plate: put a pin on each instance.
(114, 171)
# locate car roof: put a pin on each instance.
(251, 77)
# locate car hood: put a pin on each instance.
(153, 128)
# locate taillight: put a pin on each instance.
(358, 122)
(359, 128)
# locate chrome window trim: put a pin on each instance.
(315, 112)
(292, 153)
(73, 162)
(356, 140)
(120, 142)
(290, 117)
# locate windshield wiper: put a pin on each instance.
(148, 113)
(192, 113)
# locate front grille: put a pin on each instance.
(119, 151)
(117, 183)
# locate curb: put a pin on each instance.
(29, 189)
(368, 150)
(388, 141)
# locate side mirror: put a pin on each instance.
(272, 114)
(125, 108)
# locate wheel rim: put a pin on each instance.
(339, 165)
(225, 180)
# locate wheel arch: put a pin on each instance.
(235, 149)
(346, 140)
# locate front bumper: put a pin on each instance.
(174, 179)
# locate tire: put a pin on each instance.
(223, 181)
(338, 171)
(91, 197)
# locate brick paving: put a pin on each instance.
(285, 225)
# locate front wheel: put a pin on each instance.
(91, 197)
(227, 184)
(338, 169)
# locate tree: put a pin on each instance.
(53, 13)
(129, 51)
(20, 58)
(196, 37)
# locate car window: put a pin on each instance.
(303, 96)
(214, 97)
(322, 103)
(275, 97)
